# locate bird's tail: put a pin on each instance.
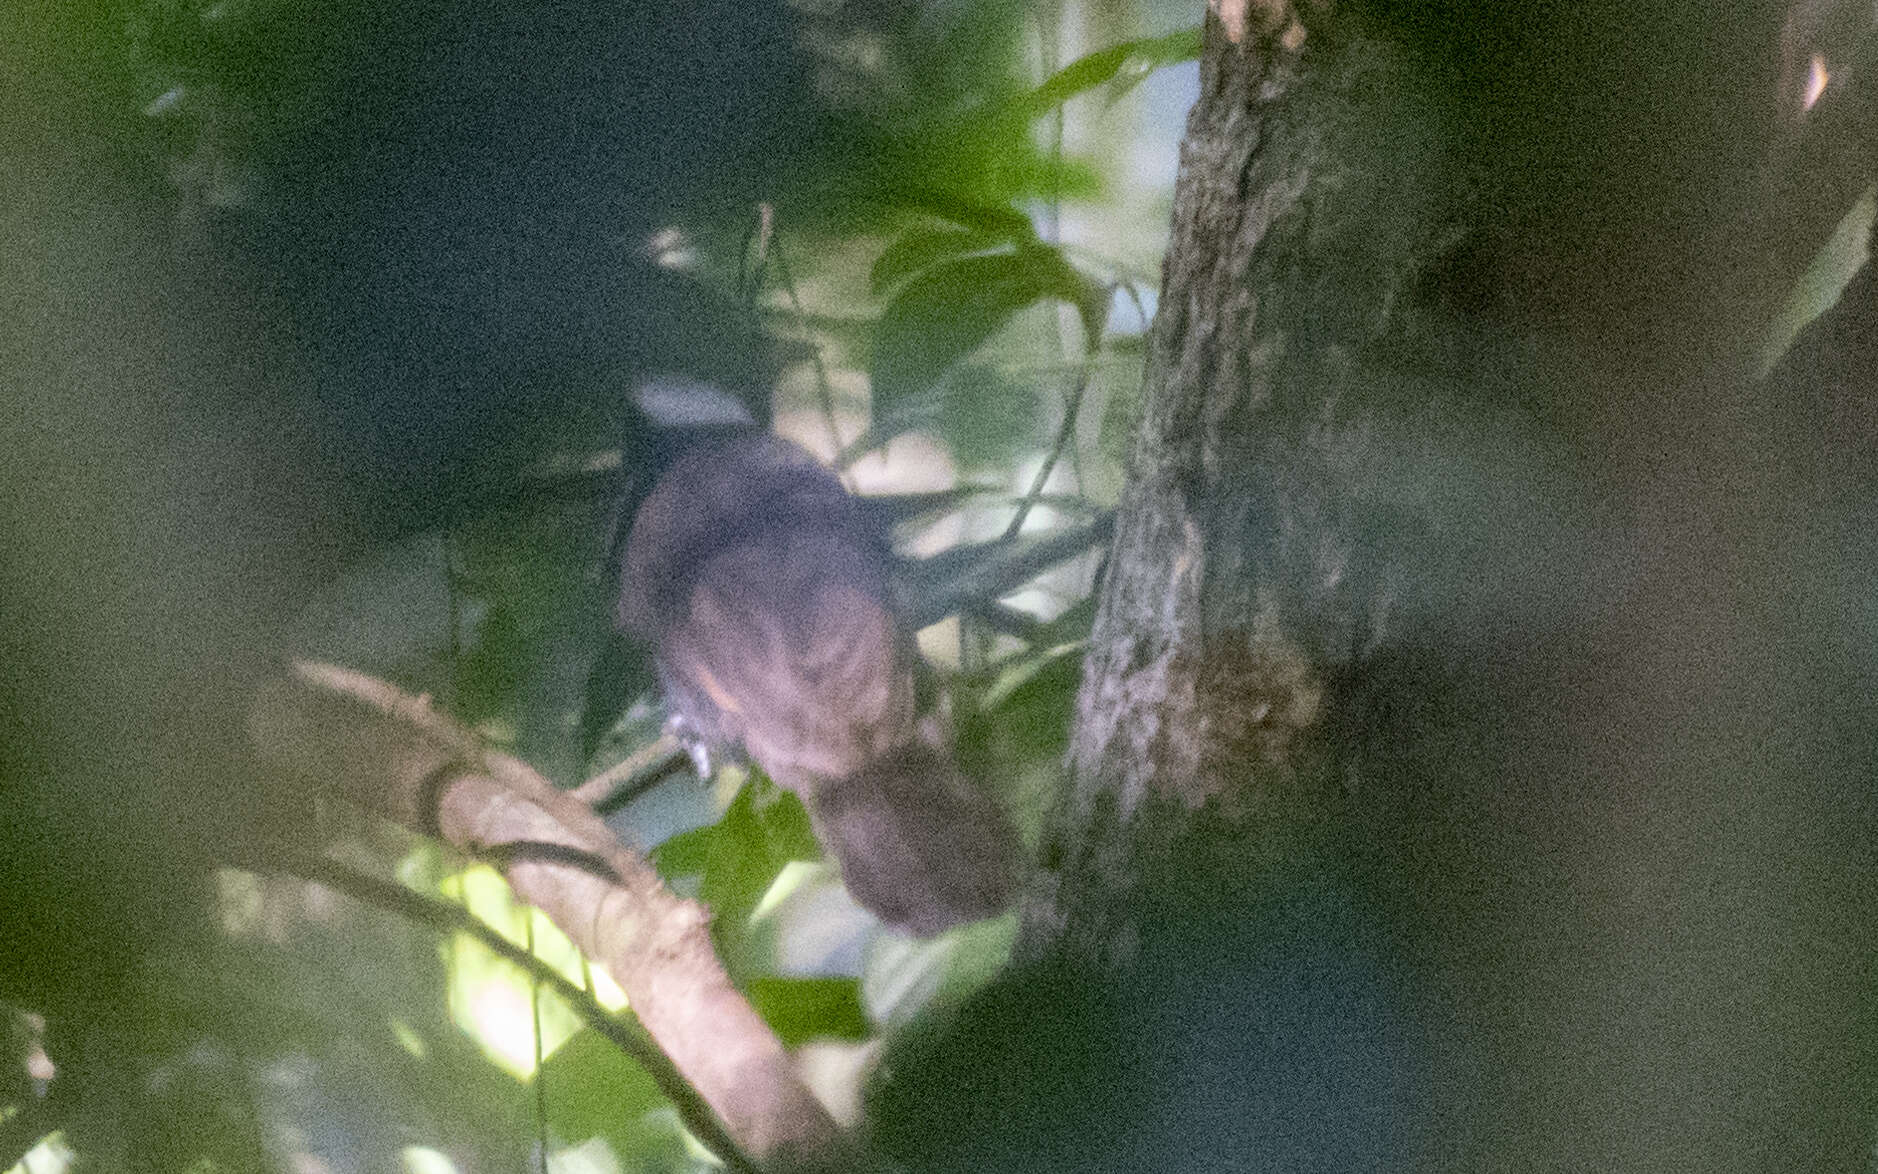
(917, 843)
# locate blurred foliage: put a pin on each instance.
(947, 310)
(737, 859)
(985, 415)
(595, 1092)
(1116, 69)
(804, 1009)
(1817, 289)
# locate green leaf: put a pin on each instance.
(987, 420)
(786, 829)
(997, 221)
(490, 673)
(687, 853)
(1029, 719)
(1012, 678)
(739, 868)
(976, 168)
(595, 1090)
(950, 309)
(738, 859)
(802, 1009)
(740, 855)
(920, 247)
(1122, 67)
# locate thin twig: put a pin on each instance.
(750, 269)
(1005, 620)
(951, 579)
(1075, 443)
(598, 791)
(1064, 435)
(870, 439)
(540, 1077)
(1049, 22)
(825, 388)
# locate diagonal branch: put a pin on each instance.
(623, 1034)
(983, 572)
(392, 753)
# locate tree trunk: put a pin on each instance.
(1315, 193)
(1461, 576)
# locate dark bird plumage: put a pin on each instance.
(765, 593)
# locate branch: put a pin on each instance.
(625, 1035)
(632, 776)
(1066, 433)
(984, 572)
(392, 753)
(823, 386)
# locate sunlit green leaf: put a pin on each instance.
(497, 1004)
(595, 1090)
(1120, 67)
(801, 1009)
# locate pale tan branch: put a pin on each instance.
(390, 751)
(600, 790)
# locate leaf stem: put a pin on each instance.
(1064, 434)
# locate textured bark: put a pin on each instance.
(1632, 826)
(1310, 198)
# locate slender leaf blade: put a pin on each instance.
(1121, 66)
(950, 309)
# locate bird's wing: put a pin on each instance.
(791, 640)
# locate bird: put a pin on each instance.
(765, 594)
